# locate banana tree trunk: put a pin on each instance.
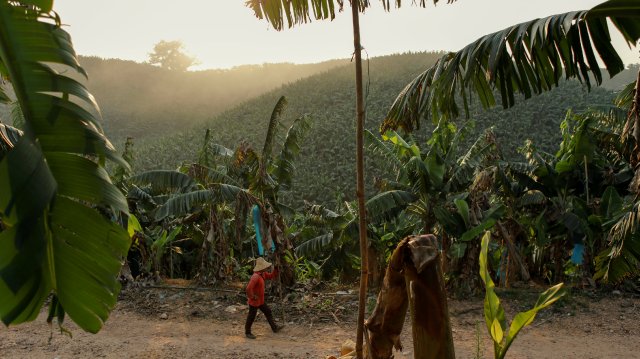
(362, 223)
(432, 337)
(413, 279)
(513, 252)
(387, 319)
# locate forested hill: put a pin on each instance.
(326, 167)
(143, 100)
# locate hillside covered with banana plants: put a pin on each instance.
(326, 167)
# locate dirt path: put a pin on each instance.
(582, 328)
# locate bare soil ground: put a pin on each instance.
(192, 323)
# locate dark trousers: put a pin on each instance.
(252, 316)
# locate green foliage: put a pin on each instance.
(160, 245)
(325, 164)
(387, 205)
(218, 198)
(284, 164)
(53, 185)
(121, 172)
(165, 181)
(274, 121)
(494, 313)
(304, 268)
(299, 11)
(528, 58)
(621, 259)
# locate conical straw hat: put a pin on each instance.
(261, 264)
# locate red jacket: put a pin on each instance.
(255, 288)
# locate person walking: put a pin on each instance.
(255, 297)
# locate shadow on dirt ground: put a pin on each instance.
(157, 322)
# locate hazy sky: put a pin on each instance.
(224, 33)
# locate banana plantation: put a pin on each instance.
(449, 216)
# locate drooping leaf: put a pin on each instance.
(316, 244)
(88, 251)
(296, 12)
(436, 168)
(463, 211)
(284, 165)
(528, 58)
(53, 178)
(387, 205)
(622, 258)
(532, 197)
(182, 204)
(488, 221)
(611, 202)
(274, 121)
(163, 181)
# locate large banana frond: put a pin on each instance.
(377, 146)
(625, 97)
(284, 165)
(529, 58)
(317, 244)
(321, 216)
(532, 198)
(209, 151)
(185, 203)
(470, 162)
(622, 258)
(138, 195)
(297, 12)
(206, 175)
(274, 121)
(53, 179)
(164, 181)
(387, 205)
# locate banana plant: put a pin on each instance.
(591, 167)
(266, 174)
(428, 181)
(54, 189)
(331, 235)
(621, 259)
(620, 256)
(222, 177)
(327, 237)
(160, 245)
(526, 59)
(494, 315)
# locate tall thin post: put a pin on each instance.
(362, 223)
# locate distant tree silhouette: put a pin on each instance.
(170, 55)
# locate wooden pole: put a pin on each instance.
(362, 223)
